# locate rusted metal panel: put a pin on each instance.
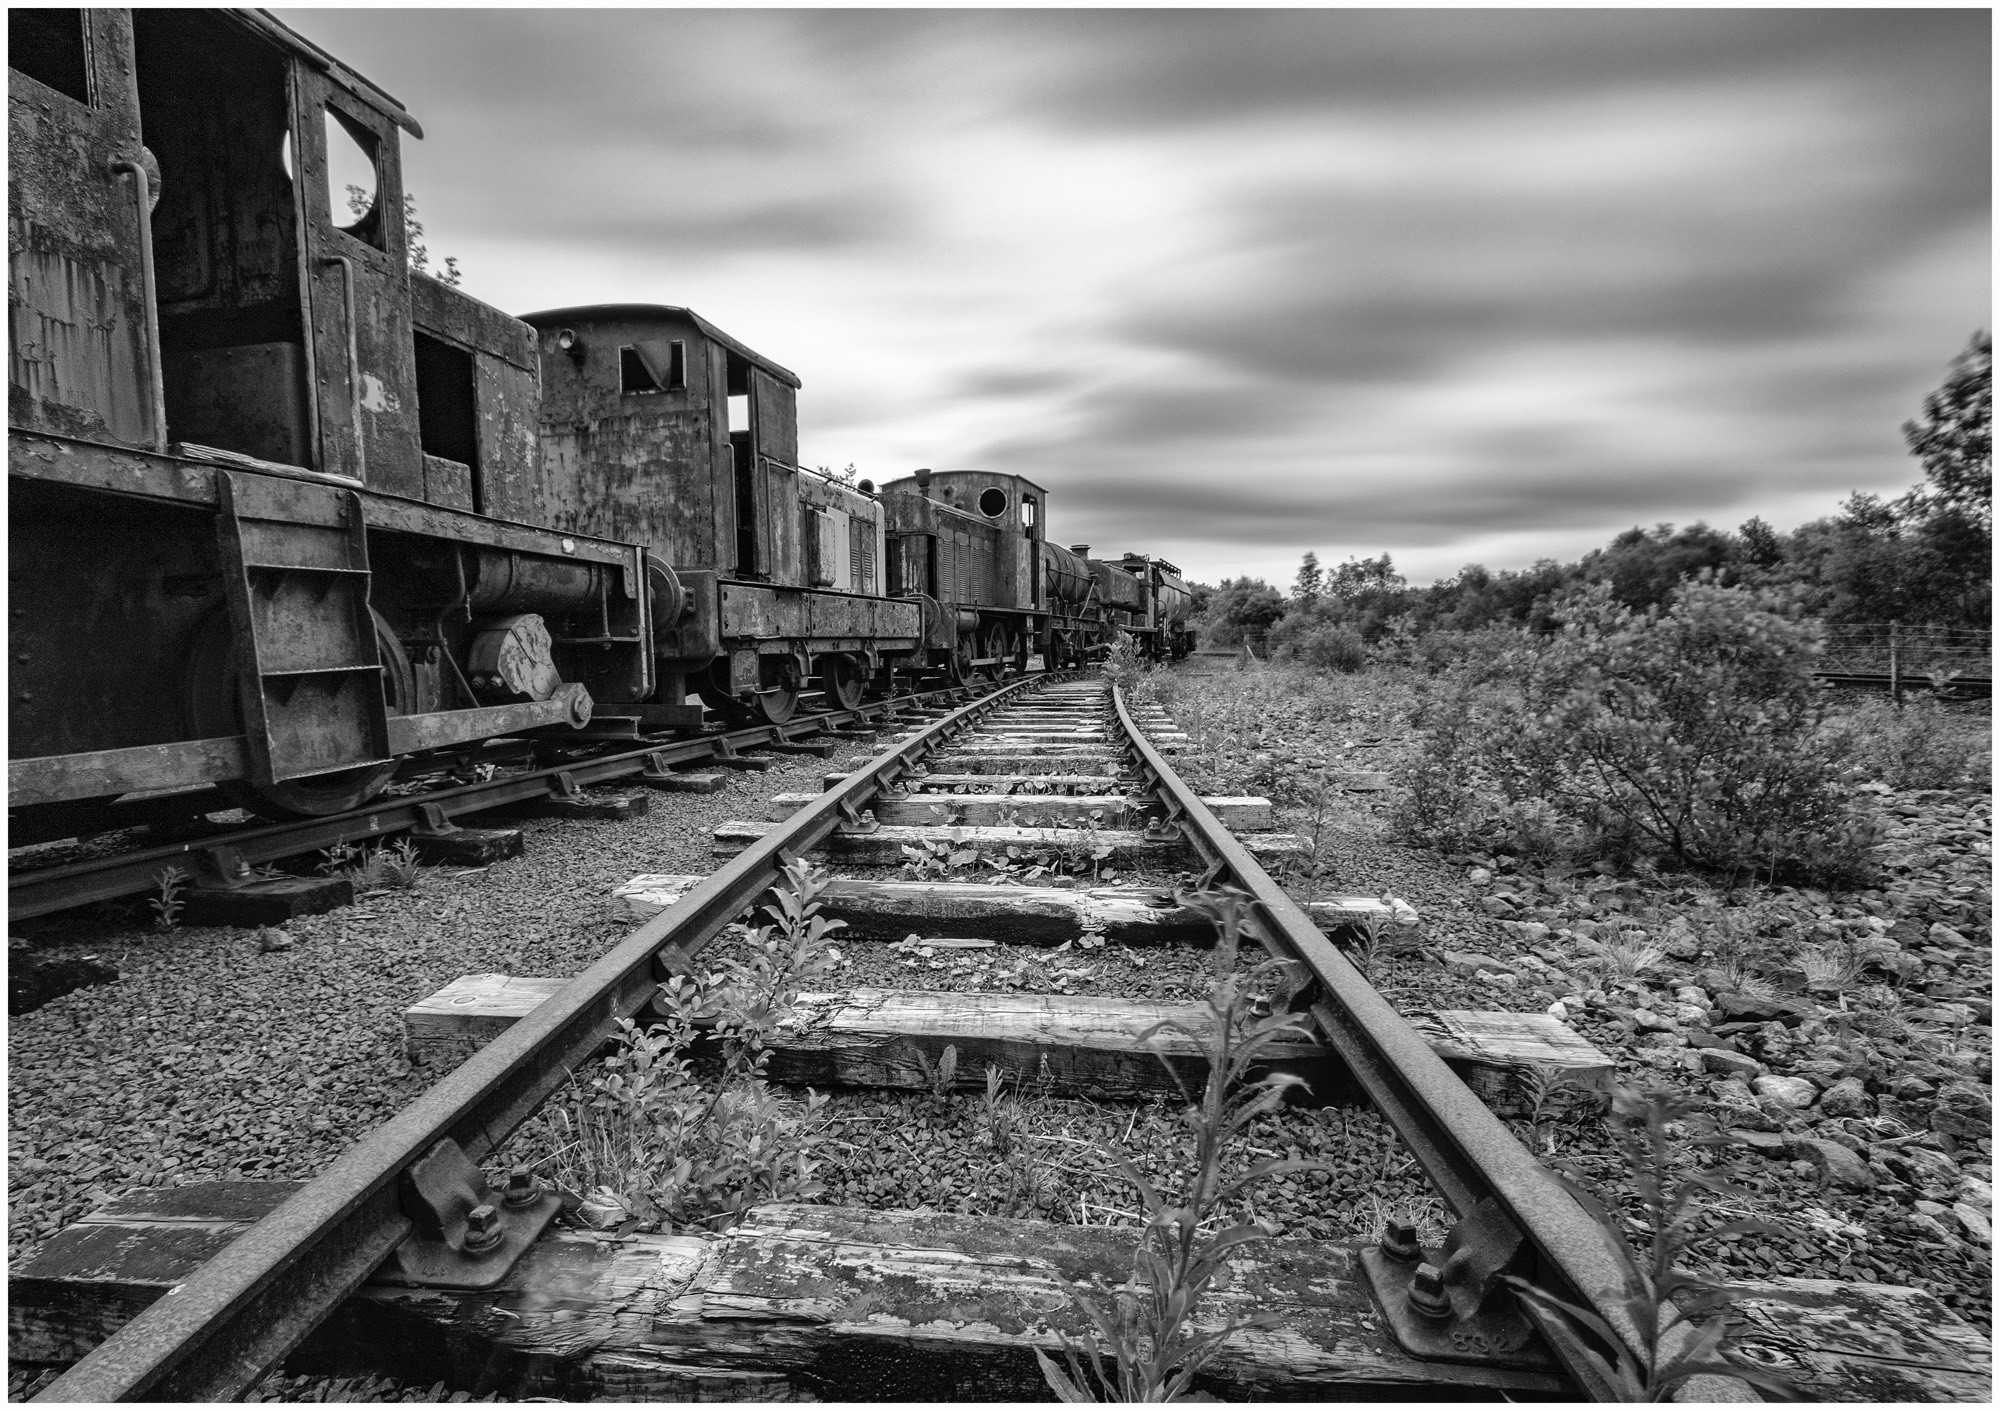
(188, 482)
(409, 733)
(249, 399)
(106, 595)
(1116, 588)
(358, 286)
(444, 312)
(448, 483)
(102, 773)
(837, 615)
(78, 358)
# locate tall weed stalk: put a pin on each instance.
(1676, 1314)
(1146, 1344)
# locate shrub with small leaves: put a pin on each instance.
(1691, 731)
(682, 1150)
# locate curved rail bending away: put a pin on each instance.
(214, 1336)
(1465, 1150)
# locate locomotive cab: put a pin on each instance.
(247, 448)
(971, 541)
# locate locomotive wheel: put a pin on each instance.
(958, 666)
(993, 643)
(841, 681)
(769, 707)
(774, 707)
(209, 694)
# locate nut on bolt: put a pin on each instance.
(1399, 1242)
(482, 1229)
(522, 1188)
(1427, 1296)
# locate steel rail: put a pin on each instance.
(213, 1337)
(1467, 1152)
(36, 893)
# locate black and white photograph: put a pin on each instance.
(1000, 704)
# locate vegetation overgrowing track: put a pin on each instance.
(237, 1317)
(243, 1311)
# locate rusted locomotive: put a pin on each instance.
(285, 513)
(272, 496)
(658, 427)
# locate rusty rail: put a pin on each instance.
(1466, 1151)
(237, 1317)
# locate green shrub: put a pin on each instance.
(1921, 745)
(1691, 731)
(681, 1150)
(1441, 803)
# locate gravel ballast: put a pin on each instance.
(212, 1058)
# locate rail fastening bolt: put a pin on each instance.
(522, 1188)
(1427, 1296)
(1399, 1242)
(482, 1229)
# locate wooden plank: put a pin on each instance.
(983, 809)
(1499, 1053)
(818, 1302)
(1043, 749)
(885, 845)
(1064, 1044)
(956, 761)
(1865, 1342)
(1029, 785)
(1019, 915)
(798, 1302)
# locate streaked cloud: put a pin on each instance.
(1456, 285)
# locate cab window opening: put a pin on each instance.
(50, 47)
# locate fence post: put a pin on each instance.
(1895, 662)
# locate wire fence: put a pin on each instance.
(1852, 648)
(1880, 648)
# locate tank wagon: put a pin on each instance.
(659, 427)
(272, 496)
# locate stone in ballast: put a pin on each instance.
(1792, 1092)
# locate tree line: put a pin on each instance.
(1923, 557)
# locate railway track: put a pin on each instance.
(227, 858)
(234, 1318)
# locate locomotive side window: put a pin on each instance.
(48, 46)
(632, 373)
(1028, 511)
(653, 368)
(993, 502)
(352, 180)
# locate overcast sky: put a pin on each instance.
(1461, 286)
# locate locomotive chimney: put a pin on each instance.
(1082, 551)
(924, 481)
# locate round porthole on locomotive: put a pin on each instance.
(993, 502)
